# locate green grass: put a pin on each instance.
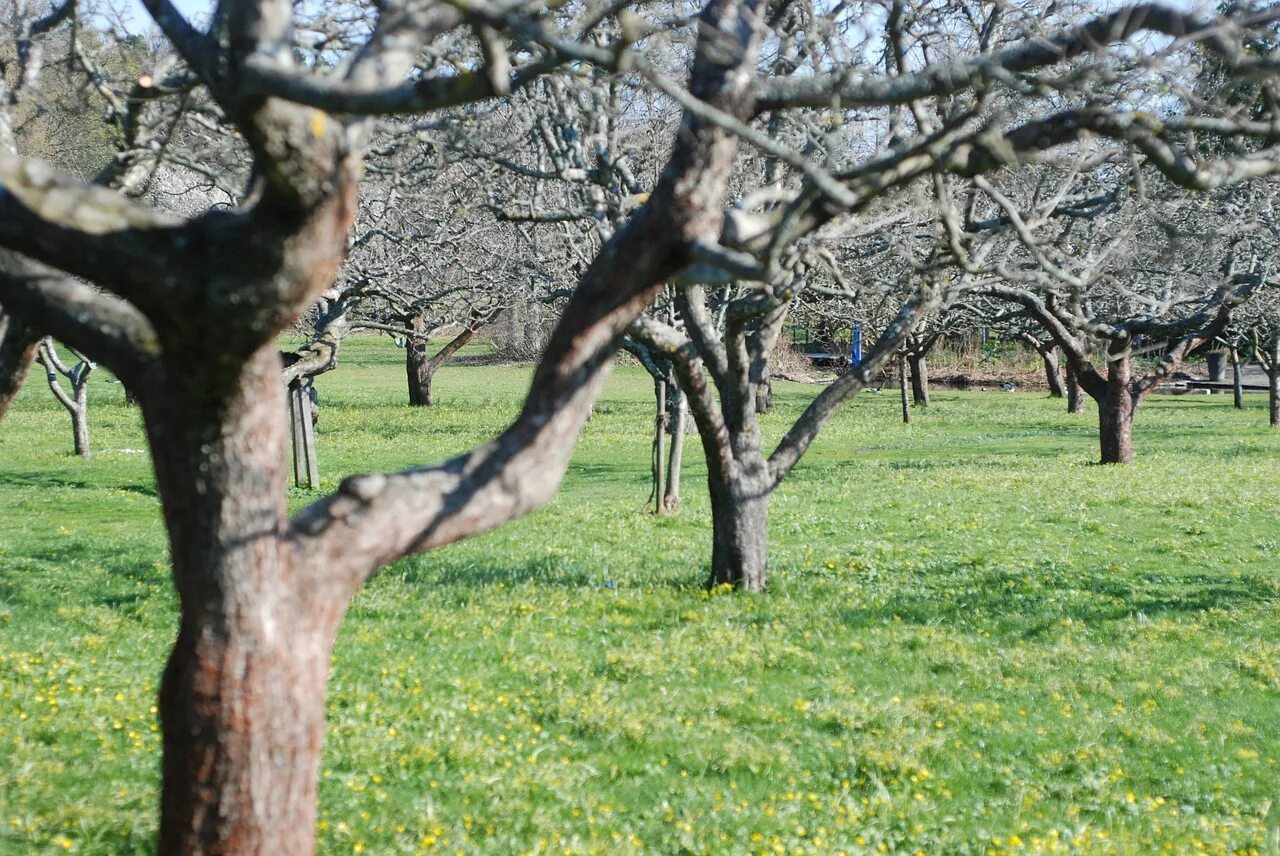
(976, 640)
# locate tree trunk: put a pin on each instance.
(764, 395)
(1075, 400)
(242, 697)
(902, 387)
(80, 428)
(1273, 382)
(18, 343)
(1052, 374)
(80, 413)
(740, 534)
(1273, 395)
(761, 341)
(919, 379)
(1237, 382)
(675, 461)
(420, 369)
(417, 365)
(1115, 413)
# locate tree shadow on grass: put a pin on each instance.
(44, 479)
(84, 573)
(543, 571)
(1031, 603)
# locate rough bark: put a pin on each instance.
(418, 376)
(919, 379)
(1052, 373)
(1075, 398)
(18, 343)
(740, 531)
(242, 697)
(416, 364)
(1115, 412)
(1273, 395)
(763, 391)
(761, 338)
(421, 370)
(1271, 362)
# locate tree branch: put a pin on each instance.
(797, 440)
(375, 519)
(948, 78)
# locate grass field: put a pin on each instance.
(976, 640)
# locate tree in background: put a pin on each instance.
(75, 400)
(1147, 270)
(242, 699)
(262, 593)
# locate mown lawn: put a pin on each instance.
(976, 640)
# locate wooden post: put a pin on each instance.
(902, 385)
(1237, 382)
(306, 470)
(659, 438)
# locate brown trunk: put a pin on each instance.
(1273, 382)
(919, 379)
(420, 369)
(242, 713)
(1075, 399)
(1115, 413)
(740, 534)
(242, 697)
(1052, 375)
(18, 344)
(417, 365)
(902, 387)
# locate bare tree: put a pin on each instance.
(1048, 351)
(1256, 326)
(1266, 352)
(242, 698)
(1122, 281)
(75, 400)
(261, 593)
